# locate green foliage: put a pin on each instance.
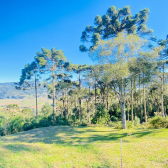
(14, 125)
(130, 124)
(46, 109)
(114, 118)
(136, 121)
(113, 22)
(84, 123)
(118, 125)
(27, 111)
(102, 116)
(158, 122)
(13, 106)
(61, 121)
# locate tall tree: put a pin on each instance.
(116, 53)
(79, 69)
(49, 61)
(31, 71)
(113, 22)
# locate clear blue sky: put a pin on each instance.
(28, 25)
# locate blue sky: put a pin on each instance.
(28, 25)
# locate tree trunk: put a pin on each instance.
(144, 97)
(80, 103)
(128, 109)
(95, 94)
(132, 111)
(140, 98)
(36, 95)
(122, 106)
(162, 90)
(53, 92)
(107, 101)
(135, 104)
(122, 103)
(67, 105)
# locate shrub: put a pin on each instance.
(158, 113)
(62, 120)
(84, 123)
(118, 125)
(102, 116)
(114, 118)
(46, 109)
(130, 124)
(136, 121)
(158, 122)
(27, 111)
(14, 125)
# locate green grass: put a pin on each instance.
(64, 146)
(26, 102)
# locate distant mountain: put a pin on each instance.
(8, 91)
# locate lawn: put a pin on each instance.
(65, 146)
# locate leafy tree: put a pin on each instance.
(13, 108)
(78, 69)
(116, 54)
(46, 109)
(27, 111)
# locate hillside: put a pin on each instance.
(64, 146)
(8, 91)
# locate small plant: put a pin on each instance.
(118, 125)
(136, 121)
(84, 123)
(130, 124)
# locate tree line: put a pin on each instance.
(128, 79)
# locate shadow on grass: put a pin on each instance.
(73, 135)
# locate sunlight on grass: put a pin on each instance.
(65, 146)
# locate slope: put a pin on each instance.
(64, 146)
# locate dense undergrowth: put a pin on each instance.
(19, 123)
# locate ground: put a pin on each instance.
(77, 147)
(25, 103)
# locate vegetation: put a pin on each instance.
(126, 77)
(65, 146)
(126, 90)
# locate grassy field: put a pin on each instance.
(26, 102)
(64, 146)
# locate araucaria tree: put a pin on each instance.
(49, 61)
(30, 72)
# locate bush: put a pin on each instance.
(118, 125)
(102, 116)
(14, 125)
(84, 123)
(46, 109)
(130, 124)
(27, 111)
(62, 120)
(158, 122)
(114, 118)
(136, 121)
